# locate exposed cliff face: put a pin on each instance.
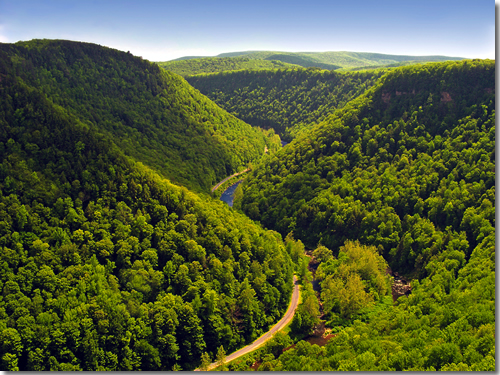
(386, 97)
(400, 287)
(446, 97)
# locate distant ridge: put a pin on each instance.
(330, 60)
(333, 53)
(225, 54)
(188, 58)
(205, 65)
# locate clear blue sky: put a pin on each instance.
(161, 30)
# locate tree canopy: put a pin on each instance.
(108, 263)
(407, 169)
(219, 64)
(290, 101)
(152, 114)
(105, 264)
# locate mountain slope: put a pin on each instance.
(105, 265)
(408, 169)
(348, 60)
(154, 115)
(367, 156)
(288, 100)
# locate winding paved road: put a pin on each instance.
(269, 334)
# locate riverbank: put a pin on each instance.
(228, 195)
(216, 187)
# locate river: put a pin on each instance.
(228, 195)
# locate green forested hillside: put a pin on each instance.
(192, 65)
(325, 60)
(152, 114)
(288, 100)
(106, 265)
(349, 60)
(447, 323)
(219, 64)
(401, 145)
(408, 168)
(301, 59)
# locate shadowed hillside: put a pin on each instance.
(290, 101)
(152, 114)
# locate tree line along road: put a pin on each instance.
(287, 318)
(234, 174)
(227, 178)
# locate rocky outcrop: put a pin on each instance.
(400, 287)
(446, 97)
(398, 93)
(386, 97)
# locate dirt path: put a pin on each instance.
(227, 178)
(269, 334)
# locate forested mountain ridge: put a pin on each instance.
(289, 101)
(256, 58)
(154, 115)
(408, 168)
(106, 265)
(219, 64)
(327, 60)
(412, 113)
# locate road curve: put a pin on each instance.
(287, 318)
(227, 178)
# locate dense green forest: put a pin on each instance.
(323, 60)
(106, 265)
(152, 114)
(115, 257)
(289, 101)
(408, 169)
(301, 59)
(219, 64)
(447, 323)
